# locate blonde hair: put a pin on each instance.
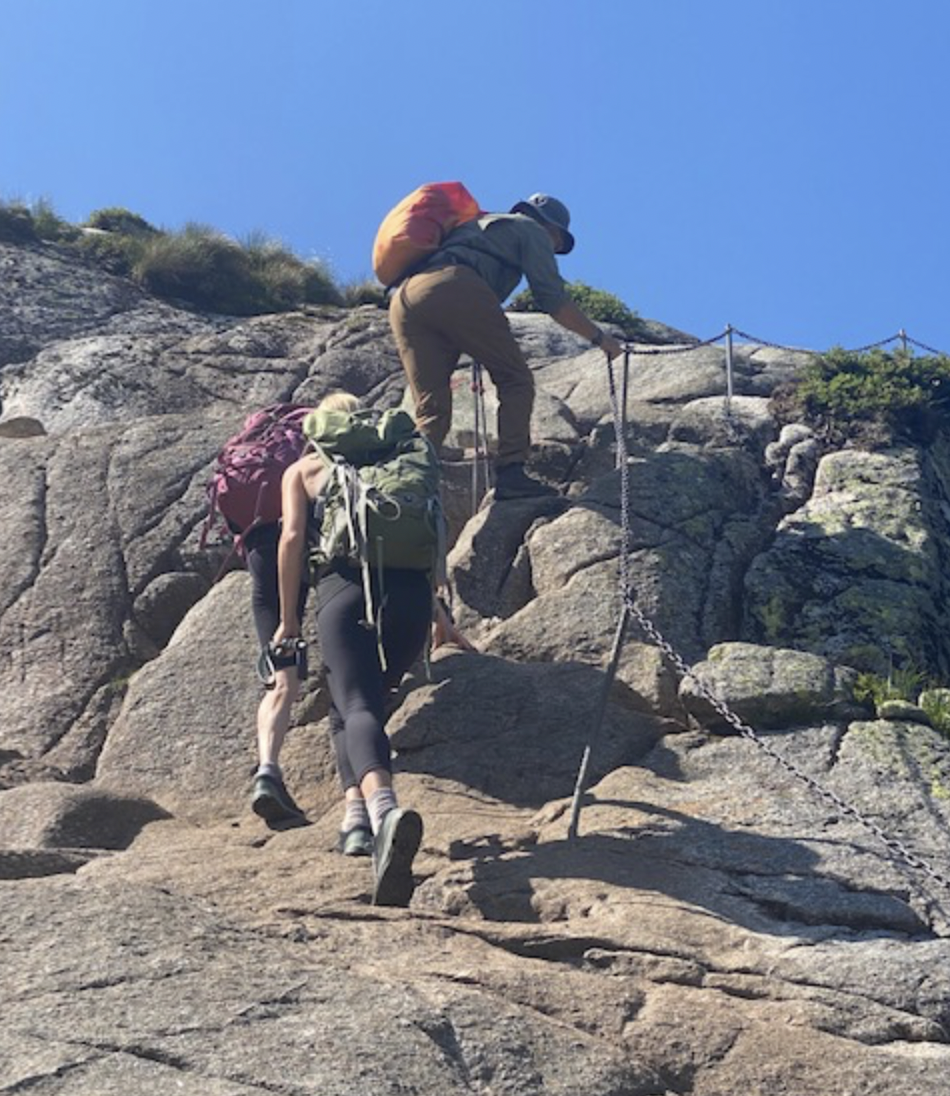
(338, 400)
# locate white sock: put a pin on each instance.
(355, 815)
(269, 768)
(380, 803)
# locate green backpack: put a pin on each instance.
(382, 505)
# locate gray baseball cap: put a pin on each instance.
(544, 208)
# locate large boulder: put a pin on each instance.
(857, 572)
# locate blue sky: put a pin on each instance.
(777, 165)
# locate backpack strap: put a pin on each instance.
(356, 502)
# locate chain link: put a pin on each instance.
(896, 848)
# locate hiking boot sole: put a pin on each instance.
(272, 810)
(396, 849)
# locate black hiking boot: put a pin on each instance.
(271, 801)
(396, 845)
(512, 482)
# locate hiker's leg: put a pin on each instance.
(338, 740)
(355, 828)
(273, 716)
(354, 676)
(427, 351)
(274, 710)
(261, 555)
(482, 331)
(406, 620)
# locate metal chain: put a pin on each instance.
(804, 350)
(924, 346)
(897, 849)
(631, 348)
(893, 844)
(774, 345)
(646, 351)
(876, 345)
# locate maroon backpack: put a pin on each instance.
(245, 484)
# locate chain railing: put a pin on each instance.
(896, 850)
(729, 333)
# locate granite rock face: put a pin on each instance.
(753, 905)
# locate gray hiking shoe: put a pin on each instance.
(271, 801)
(397, 843)
(512, 482)
(355, 842)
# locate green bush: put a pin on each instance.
(198, 265)
(601, 306)
(202, 267)
(21, 223)
(16, 224)
(287, 281)
(49, 225)
(118, 219)
(873, 690)
(936, 704)
(872, 397)
(116, 253)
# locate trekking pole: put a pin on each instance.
(481, 432)
(580, 786)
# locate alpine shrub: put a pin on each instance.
(120, 220)
(113, 251)
(203, 267)
(16, 224)
(200, 266)
(872, 397)
(287, 281)
(601, 306)
(49, 225)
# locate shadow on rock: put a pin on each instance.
(515, 731)
(764, 884)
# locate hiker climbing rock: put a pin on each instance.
(281, 669)
(450, 304)
(373, 615)
(245, 491)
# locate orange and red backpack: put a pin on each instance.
(416, 227)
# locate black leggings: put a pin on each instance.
(358, 686)
(261, 553)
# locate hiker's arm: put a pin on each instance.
(290, 551)
(569, 315)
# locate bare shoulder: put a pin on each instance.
(312, 473)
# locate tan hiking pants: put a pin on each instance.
(437, 316)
